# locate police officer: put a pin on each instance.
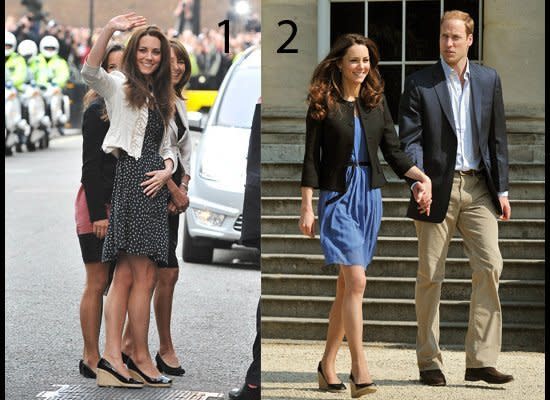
(15, 67)
(51, 67)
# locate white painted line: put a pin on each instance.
(17, 171)
(49, 395)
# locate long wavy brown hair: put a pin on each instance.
(91, 94)
(326, 83)
(137, 85)
(181, 55)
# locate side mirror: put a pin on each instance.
(197, 120)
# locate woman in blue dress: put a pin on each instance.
(347, 121)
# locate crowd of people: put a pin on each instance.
(206, 49)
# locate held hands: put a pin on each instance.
(422, 193)
(307, 223)
(100, 228)
(156, 182)
(126, 22)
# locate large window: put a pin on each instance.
(406, 32)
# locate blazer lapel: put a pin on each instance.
(475, 98)
(440, 86)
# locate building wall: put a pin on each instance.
(160, 12)
(285, 77)
(514, 46)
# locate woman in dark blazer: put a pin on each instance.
(92, 214)
(347, 121)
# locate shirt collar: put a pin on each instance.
(447, 69)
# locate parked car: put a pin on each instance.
(218, 164)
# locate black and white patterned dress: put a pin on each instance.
(138, 224)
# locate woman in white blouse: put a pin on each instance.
(140, 104)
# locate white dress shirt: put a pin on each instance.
(467, 151)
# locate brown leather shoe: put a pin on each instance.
(432, 377)
(487, 374)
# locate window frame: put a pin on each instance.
(323, 35)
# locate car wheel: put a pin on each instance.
(193, 253)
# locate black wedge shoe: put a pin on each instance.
(85, 370)
(163, 367)
(125, 357)
(161, 381)
(361, 389)
(329, 387)
(107, 375)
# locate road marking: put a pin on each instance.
(44, 191)
(91, 392)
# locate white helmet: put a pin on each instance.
(49, 46)
(10, 43)
(27, 48)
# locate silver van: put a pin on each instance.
(218, 164)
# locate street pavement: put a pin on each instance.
(289, 372)
(214, 310)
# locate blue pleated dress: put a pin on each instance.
(349, 223)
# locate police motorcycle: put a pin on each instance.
(17, 130)
(34, 103)
(59, 106)
(14, 70)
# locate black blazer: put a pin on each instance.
(427, 133)
(329, 145)
(98, 168)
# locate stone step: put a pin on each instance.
(455, 268)
(393, 207)
(402, 226)
(515, 336)
(289, 149)
(518, 171)
(399, 246)
(390, 287)
(294, 124)
(395, 309)
(520, 190)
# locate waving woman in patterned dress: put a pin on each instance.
(140, 103)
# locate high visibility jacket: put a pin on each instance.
(56, 70)
(34, 65)
(15, 70)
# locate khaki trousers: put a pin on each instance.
(472, 212)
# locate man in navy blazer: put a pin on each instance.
(452, 126)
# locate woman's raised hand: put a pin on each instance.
(126, 22)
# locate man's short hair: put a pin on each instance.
(461, 15)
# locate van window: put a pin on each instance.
(239, 98)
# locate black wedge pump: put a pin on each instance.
(161, 381)
(167, 369)
(85, 370)
(329, 387)
(107, 375)
(361, 389)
